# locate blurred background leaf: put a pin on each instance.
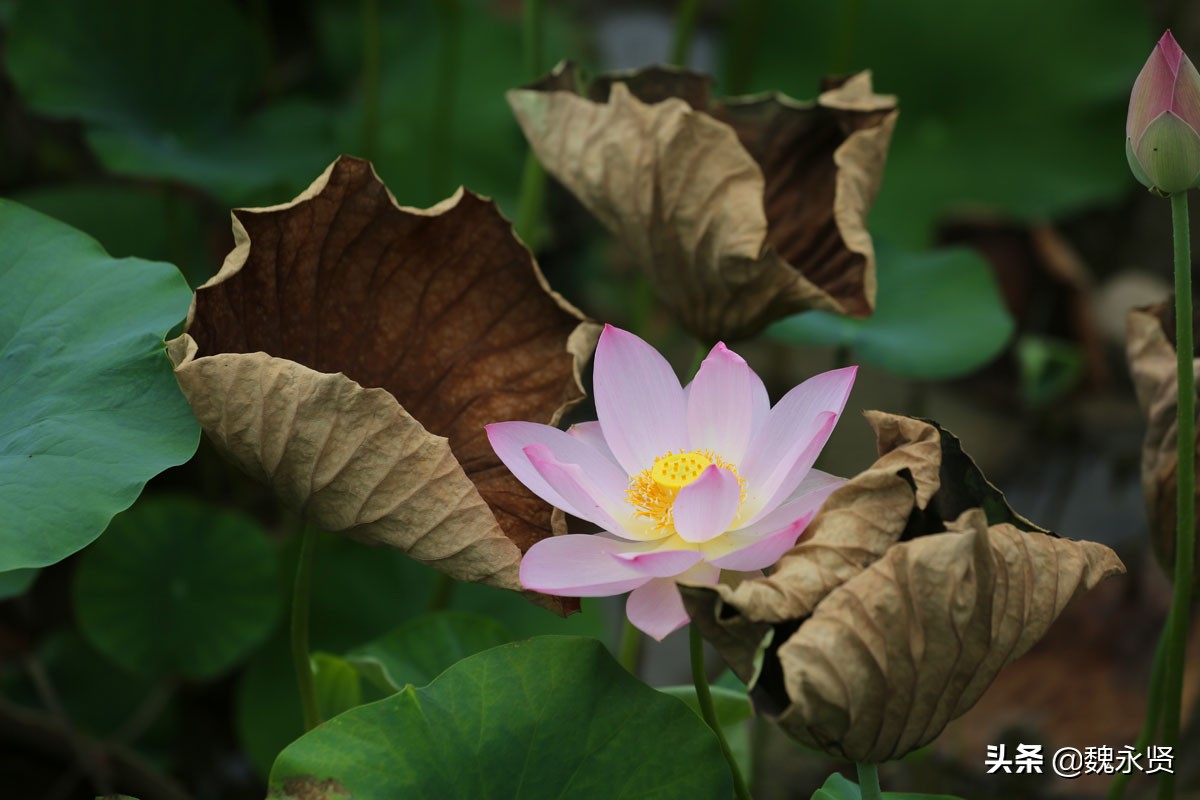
(419, 651)
(1000, 103)
(938, 315)
(178, 588)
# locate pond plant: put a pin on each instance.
(389, 451)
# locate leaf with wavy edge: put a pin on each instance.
(350, 351)
(88, 409)
(739, 212)
(1150, 349)
(889, 620)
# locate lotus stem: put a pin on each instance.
(868, 781)
(1185, 488)
(445, 96)
(372, 47)
(443, 591)
(533, 18)
(743, 47)
(301, 594)
(685, 26)
(704, 698)
(630, 650)
(849, 22)
(533, 177)
(1152, 716)
(529, 206)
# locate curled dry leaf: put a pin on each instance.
(916, 584)
(1150, 348)
(350, 352)
(740, 212)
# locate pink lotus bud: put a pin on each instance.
(1162, 132)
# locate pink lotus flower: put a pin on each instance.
(684, 482)
(1162, 130)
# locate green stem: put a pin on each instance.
(630, 650)
(849, 21)
(702, 351)
(533, 177)
(842, 355)
(685, 26)
(868, 781)
(1152, 716)
(372, 48)
(445, 96)
(744, 45)
(301, 592)
(529, 203)
(1185, 488)
(443, 590)
(532, 16)
(704, 698)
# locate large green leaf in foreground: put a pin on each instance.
(89, 408)
(548, 717)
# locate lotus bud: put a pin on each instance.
(1162, 132)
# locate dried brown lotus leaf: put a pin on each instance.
(1150, 349)
(891, 616)
(442, 310)
(947, 481)
(740, 213)
(921, 634)
(348, 458)
(911, 490)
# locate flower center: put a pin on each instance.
(652, 492)
(677, 470)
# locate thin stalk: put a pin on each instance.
(372, 59)
(685, 26)
(1185, 488)
(533, 177)
(532, 17)
(849, 21)
(743, 45)
(445, 95)
(704, 698)
(630, 650)
(698, 357)
(529, 203)
(301, 593)
(443, 591)
(868, 781)
(88, 759)
(1151, 718)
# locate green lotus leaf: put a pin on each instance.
(938, 315)
(163, 93)
(16, 581)
(89, 408)
(178, 587)
(838, 787)
(955, 148)
(417, 652)
(547, 717)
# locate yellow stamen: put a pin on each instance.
(652, 492)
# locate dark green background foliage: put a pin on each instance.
(162, 646)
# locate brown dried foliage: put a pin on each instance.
(350, 352)
(914, 586)
(740, 212)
